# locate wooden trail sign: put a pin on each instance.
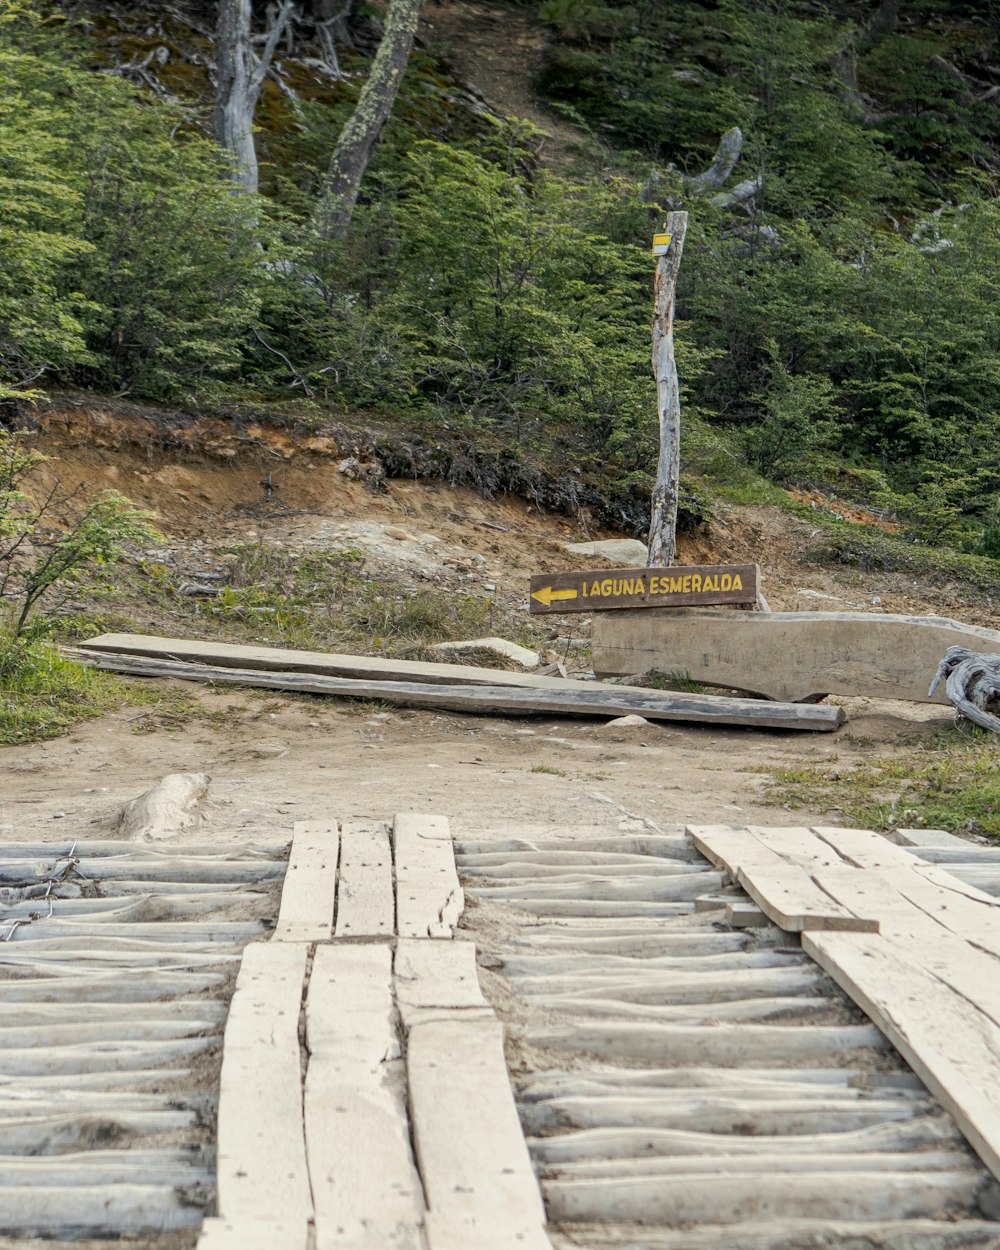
(687, 586)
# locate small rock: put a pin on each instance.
(266, 752)
(631, 721)
(197, 588)
(350, 468)
(428, 540)
(400, 535)
(876, 601)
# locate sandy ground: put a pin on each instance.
(274, 760)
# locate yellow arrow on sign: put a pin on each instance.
(547, 595)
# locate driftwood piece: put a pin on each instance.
(593, 700)
(972, 683)
(165, 810)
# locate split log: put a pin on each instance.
(82, 1210)
(844, 1195)
(165, 810)
(594, 700)
(724, 1045)
(926, 1133)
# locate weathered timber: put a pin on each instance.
(785, 892)
(262, 1171)
(588, 699)
(676, 586)
(366, 906)
(480, 1187)
(309, 890)
(429, 898)
(327, 664)
(663, 509)
(951, 1045)
(786, 655)
(365, 1187)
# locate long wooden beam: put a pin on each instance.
(582, 699)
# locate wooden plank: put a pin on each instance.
(677, 586)
(219, 1234)
(310, 887)
(917, 936)
(437, 979)
(950, 1044)
(784, 892)
(329, 664)
(365, 903)
(565, 699)
(261, 1154)
(429, 899)
(365, 1186)
(480, 1187)
(933, 837)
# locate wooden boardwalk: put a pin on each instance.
(365, 1102)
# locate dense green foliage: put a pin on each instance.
(839, 326)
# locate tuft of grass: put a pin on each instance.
(953, 784)
(549, 770)
(42, 695)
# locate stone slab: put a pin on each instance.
(787, 656)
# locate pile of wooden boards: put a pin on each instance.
(446, 687)
(916, 948)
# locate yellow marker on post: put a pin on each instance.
(547, 595)
(661, 244)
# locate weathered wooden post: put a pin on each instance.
(663, 515)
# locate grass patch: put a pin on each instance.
(953, 785)
(43, 695)
(873, 550)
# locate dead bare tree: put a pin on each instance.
(239, 77)
(663, 518)
(357, 139)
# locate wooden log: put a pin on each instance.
(786, 655)
(83, 929)
(366, 906)
(328, 664)
(594, 700)
(105, 1167)
(725, 1045)
(951, 1045)
(125, 1029)
(753, 1010)
(767, 1164)
(56, 1134)
(111, 989)
(429, 898)
(203, 873)
(622, 846)
(479, 1184)
(784, 1234)
(911, 1136)
(844, 1195)
(725, 1117)
(96, 1210)
(262, 1172)
(678, 987)
(366, 1190)
(123, 1056)
(681, 887)
(310, 887)
(165, 810)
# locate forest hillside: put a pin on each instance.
(490, 291)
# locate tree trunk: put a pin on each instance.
(663, 517)
(240, 74)
(354, 148)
